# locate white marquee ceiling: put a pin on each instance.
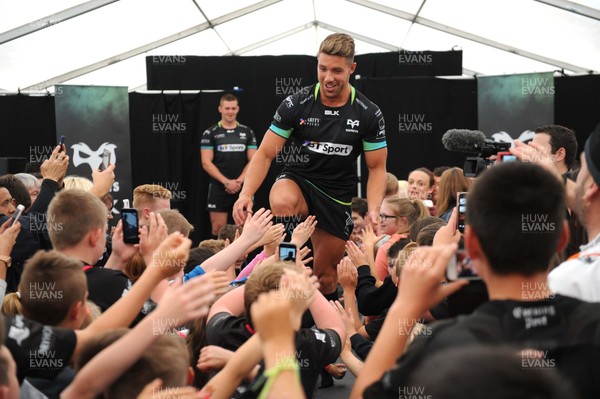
(105, 42)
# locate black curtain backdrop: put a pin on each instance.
(27, 126)
(165, 149)
(577, 104)
(418, 111)
(427, 107)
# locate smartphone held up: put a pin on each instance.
(287, 252)
(129, 218)
(461, 267)
(461, 203)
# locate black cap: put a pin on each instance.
(592, 154)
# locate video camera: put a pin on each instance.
(475, 142)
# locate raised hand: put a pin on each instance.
(152, 235)
(213, 358)
(182, 303)
(304, 230)
(103, 180)
(55, 167)
(448, 234)
(242, 208)
(219, 280)
(121, 252)
(347, 274)
(271, 316)
(347, 318)
(256, 225)
(369, 238)
(357, 256)
(272, 235)
(299, 290)
(302, 260)
(420, 285)
(170, 257)
(8, 236)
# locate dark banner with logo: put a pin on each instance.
(94, 119)
(511, 107)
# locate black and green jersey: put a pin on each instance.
(229, 147)
(324, 142)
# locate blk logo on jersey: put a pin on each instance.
(328, 148)
(329, 112)
(231, 147)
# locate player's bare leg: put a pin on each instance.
(328, 251)
(286, 199)
(217, 220)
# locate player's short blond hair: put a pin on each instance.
(148, 194)
(339, 44)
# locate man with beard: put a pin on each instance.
(579, 276)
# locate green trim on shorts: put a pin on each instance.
(327, 195)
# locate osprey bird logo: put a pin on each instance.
(84, 154)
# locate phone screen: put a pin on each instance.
(17, 214)
(130, 226)
(61, 143)
(287, 252)
(461, 267)
(462, 211)
(105, 159)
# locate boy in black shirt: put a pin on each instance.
(511, 253)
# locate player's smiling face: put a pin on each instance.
(334, 76)
(229, 111)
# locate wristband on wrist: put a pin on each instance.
(288, 363)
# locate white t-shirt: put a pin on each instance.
(579, 277)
